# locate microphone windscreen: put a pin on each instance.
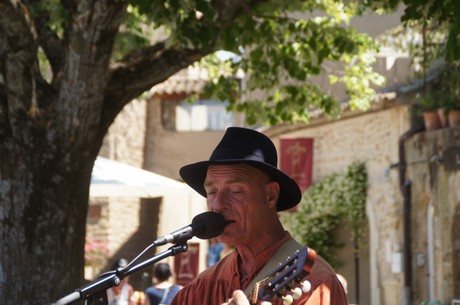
(208, 225)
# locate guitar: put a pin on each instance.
(287, 280)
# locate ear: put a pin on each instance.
(273, 191)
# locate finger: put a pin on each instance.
(240, 298)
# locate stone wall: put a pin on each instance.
(125, 138)
(129, 224)
(435, 206)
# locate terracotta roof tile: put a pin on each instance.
(187, 81)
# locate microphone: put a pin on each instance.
(205, 225)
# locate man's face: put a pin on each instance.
(243, 194)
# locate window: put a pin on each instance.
(202, 115)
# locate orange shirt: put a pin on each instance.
(215, 285)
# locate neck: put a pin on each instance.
(249, 253)
(164, 284)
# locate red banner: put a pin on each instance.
(297, 160)
(186, 264)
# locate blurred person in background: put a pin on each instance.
(214, 252)
(163, 291)
(121, 294)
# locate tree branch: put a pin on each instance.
(49, 41)
(228, 9)
(140, 71)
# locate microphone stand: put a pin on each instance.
(95, 292)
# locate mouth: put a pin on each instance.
(228, 222)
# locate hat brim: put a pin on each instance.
(194, 175)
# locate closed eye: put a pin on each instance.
(236, 191)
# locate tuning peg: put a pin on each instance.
(296, 293)
(288, 299)
(306, 286)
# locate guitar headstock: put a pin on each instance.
(287, 280)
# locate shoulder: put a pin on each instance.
(322, 271)
(321, 265)
(152, 291)
(151, 288)
(325, 285)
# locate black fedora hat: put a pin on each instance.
(242, 145)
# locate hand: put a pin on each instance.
(239, 298)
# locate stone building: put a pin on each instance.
(415, 234)
(413, 198)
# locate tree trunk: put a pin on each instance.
(43, 207)
(51, 132)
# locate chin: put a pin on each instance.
(227, 238)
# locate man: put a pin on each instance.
(242, 182)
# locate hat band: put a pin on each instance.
(229, 154)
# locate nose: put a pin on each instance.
(219, 202)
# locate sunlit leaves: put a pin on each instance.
(280, 46)
(442, 15)
(339, 10)
(281, 56)
(190, 23)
